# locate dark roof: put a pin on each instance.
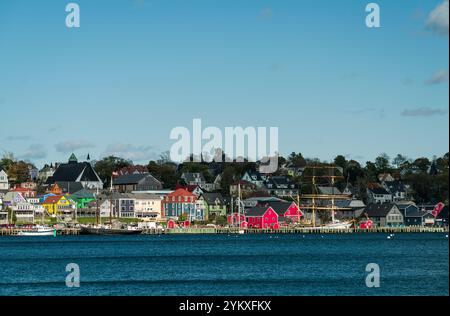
(379, 190)
(278, 206)
(211, 198)
(395, 186)
(415, 212)
(193, 176)
(129, 179)
(256, 211)
(69, 186)
(135, 179)
(443, 213)
(82, 194)
(378, 210)
(71, 172)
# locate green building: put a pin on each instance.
(213, 204)
(82, 198)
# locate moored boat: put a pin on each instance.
(38, 230)
(108, 230)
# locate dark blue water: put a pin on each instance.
(410, 264)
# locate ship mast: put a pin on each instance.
(330, 177)
(110, 202)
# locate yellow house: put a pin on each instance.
(57, 204)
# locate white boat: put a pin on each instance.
(336, 224)
(38, 230)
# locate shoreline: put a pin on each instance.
(236, 231)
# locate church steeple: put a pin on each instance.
(73, 158)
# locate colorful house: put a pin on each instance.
(26, 192)
(213, 204)
(262, 217)
(58, 204)
(289, 210)
(181, 202)
(82, 198)
(234, 219)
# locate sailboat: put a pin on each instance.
(332, 208)
(108, 229)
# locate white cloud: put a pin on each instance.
(131, 152)
(438, 19)
(439, 77)
(35, 151)
(423, 112)
(72, 145)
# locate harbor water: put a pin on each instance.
(410, 264)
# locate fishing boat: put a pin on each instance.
(38, 230)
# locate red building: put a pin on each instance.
(181, 202)
(26, 192)
(289, 210)
(234, 219)
(262, 217)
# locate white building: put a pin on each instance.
(147, 205)
(4, 184)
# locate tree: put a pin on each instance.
(399, 161)
(382, 163)
(166, 172)
(340, 161)
(229, 177)
(19, 172)
(108, 165)
(422, 164)
(297, 160)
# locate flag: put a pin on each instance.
(437, 209)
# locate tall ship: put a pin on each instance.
(322, 196)
(110, 228)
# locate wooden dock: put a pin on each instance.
(283, 230)
(59, 232)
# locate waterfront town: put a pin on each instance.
(397, 192)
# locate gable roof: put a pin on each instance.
(74, 172)
(180, 192)
(395, 186)
(193, 177)
(210, 198)
(82, 194)
(278, 206)
(137, 178)
(379, 210)
(258, 211)
(52, 199)
(379, 190)
(69, 186)
(444, 213)
(416, 212)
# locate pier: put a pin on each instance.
(234, 230)
(59, 232)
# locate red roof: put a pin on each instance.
(19, 189)
(181, 192)
(52, 199)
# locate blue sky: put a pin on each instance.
(136, 69)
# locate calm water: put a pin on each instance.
(411, 264)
